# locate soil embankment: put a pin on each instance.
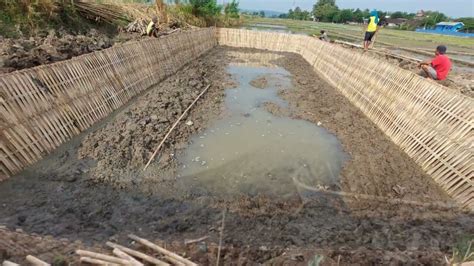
(26, 52)
(93, 189)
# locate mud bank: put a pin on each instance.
(16, 54)
(92, 189)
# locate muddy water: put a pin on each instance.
(268, 27)
(251, 151)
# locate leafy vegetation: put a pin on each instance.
(463, 251)
(297, 14)
(433, 17)
(399, 14)
(232, 9)
(468, 24)
(328, 11)
(30, 17)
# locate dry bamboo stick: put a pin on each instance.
(440, 205)
(97, 261)
(137, 254)
(94, 255)
(117, 252)
(9, 263)
(192, 241)
(35, 261)
(221, 236)
(173, 127)
(172, 257)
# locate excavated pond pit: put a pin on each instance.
(93, 189)
(251, 151)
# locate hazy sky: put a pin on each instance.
(454, 8)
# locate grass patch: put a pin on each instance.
(399, 38)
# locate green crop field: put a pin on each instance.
(355, 33)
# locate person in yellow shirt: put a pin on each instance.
(371, 29)
(151, 29)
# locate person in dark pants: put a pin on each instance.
(438, 68)
(371, 29)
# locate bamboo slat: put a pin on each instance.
(432, 124)
(45, 106)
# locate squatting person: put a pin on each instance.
(324, 36)
(439, 67)
(371, 29)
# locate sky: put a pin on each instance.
(452, 8)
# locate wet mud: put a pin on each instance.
(93, 189)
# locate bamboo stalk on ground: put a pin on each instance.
(138, 254)
(9, 263)
(172, 257)
(94, 255)
(97, 261)
(117, 252)
(174, 126)
(35, 261)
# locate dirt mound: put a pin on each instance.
(260, 82)
(16, 54)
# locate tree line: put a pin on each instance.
(328, 11)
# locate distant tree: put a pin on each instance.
(291, 14)
(358, 15)
(324, 2)
(261, 13)
(205, 8)
(433, 17)
(468, 24)
(232, 9)
(326, 12)
(343, 16)
(399, 14)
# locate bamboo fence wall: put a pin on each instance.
(431, 123)
(45, 106)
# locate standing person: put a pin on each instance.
(151, 29)
(439, 67)
(324, 36)
(371, 29)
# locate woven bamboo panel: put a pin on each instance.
(431, 123)
(45, 106)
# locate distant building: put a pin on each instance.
(449, 26)
(420, 14)
(395, 22)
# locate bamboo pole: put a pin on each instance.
(117, 252)
(35, 261)
(172, 257)
(94, 255)
(9, 263)
(137, 254)
(173, 127)
(97, 261)
(221, 236)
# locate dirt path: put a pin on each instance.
(92, 189)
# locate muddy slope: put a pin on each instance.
(92, 189)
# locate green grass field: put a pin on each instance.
(355, 33)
